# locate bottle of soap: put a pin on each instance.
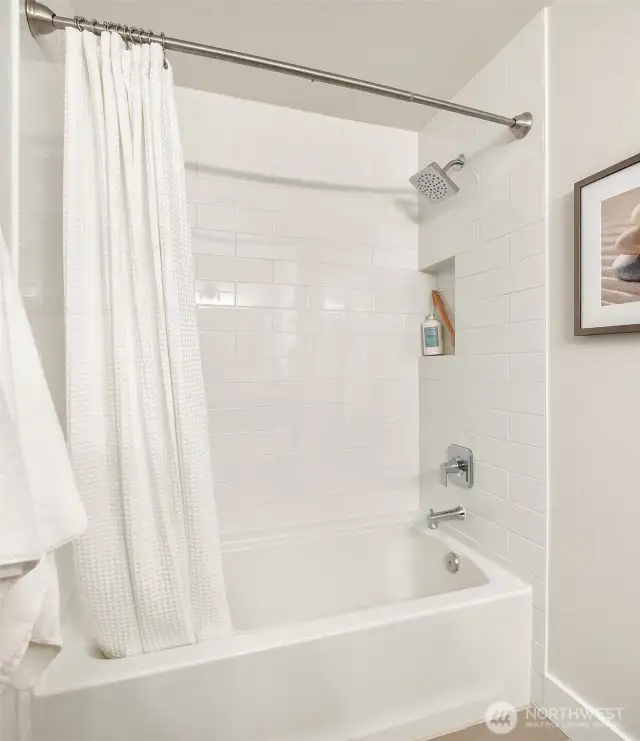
(432, 341)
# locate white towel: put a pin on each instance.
(40, 509)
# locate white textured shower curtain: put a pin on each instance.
(149, 568)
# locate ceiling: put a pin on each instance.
(433, 47)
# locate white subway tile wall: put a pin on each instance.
(491, 394)
(305, 241)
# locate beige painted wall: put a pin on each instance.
(8, 22)
(8, 30)
(594, 598)
(31, 199)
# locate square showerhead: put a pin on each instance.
(433, 181)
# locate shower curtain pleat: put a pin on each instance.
(149, 567)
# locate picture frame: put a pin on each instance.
(607, 250)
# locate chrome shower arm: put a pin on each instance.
(459, 162)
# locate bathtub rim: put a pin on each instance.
(76, 669)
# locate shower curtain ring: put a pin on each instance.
(139, 32)
(149, 35)
(93, 25)
(164, 52)
(123, 34)
(77, 20)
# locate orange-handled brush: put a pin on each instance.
(438, 302)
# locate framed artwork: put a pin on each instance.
(607, 250)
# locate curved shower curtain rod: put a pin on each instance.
(42, 20)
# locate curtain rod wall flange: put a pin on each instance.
(39, 18)
(42, 20)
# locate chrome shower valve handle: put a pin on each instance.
(455, 465)
(459, 466)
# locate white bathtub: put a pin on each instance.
(361, 635)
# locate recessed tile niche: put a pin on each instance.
(443, 280)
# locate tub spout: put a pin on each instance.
(434, 518)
